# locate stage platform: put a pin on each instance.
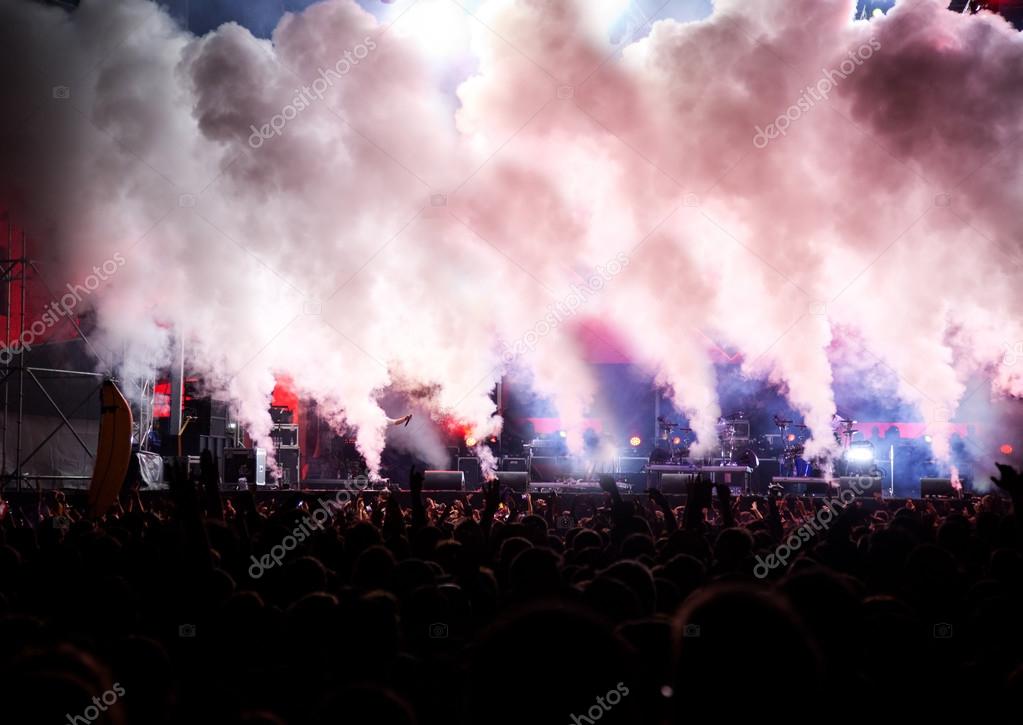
(569, 493)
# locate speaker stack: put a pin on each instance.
(443, 481)
(245, 465)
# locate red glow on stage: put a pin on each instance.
(1006, 449)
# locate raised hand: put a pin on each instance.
(657, 497)
(1010, 481)
(492, 495)
(415, 481)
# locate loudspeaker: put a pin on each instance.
(443, 481)
(865, 485)
(509, 463)
(288, 461)
(470, 466)
(762, 474)
(284, 435)
(675, 482)
(936, 487)
(517, 481)
(246, 465)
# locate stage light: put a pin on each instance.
(928, 439)
(860, 453)
(563, 434)
(470, 441)
(635, 441)
(1005, 449)
(677, 440)
(790, 437)
(439, 27)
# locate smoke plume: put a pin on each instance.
(322, 205)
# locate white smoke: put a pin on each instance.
(393, 237)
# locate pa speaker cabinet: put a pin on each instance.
(245, 465)
(517, 481)
(288, 463)
(860, 485)
(675, 482)
(443, 481)
(936, 487)
(470, 466)
(513, 463)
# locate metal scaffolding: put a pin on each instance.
(15, 368)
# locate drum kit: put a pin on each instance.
(733, 438)
(788, 446)
(793, 446)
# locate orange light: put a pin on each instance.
(1006, 449)
(677, 440)
(635, 441)
(790, 437)
(470, 441)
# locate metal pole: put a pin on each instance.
(7, 337)
(891, 467)
(177, 392)
(657, 413)
(21, 358)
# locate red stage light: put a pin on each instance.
(1006, 449)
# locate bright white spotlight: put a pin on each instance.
(859, 454)
(439, 27)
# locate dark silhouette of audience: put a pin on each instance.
(203, 608)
